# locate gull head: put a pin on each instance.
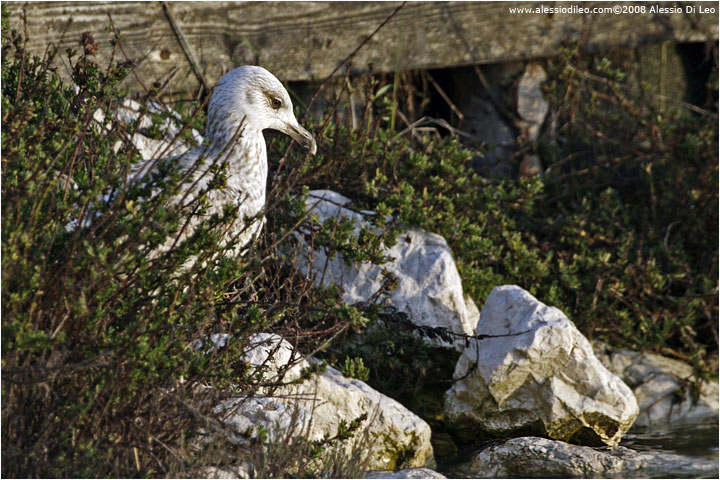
(252, 95)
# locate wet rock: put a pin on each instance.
(667, 390)
(315, 408)
(534, 457)
(429, 289)
(540, 378)
(407, 473)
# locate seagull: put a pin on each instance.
(245, 101)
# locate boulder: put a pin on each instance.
(429, 289)
(537, 376)
(533, 457)
(406, 473)
(667, 390)
(315, 408)
(275, 358)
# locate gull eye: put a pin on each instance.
(276, 103)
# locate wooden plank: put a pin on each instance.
(307, 40)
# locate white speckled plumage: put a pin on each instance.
(245, 101)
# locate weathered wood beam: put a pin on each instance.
(307, 40)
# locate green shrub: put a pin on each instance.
(100, 376)
(355, 368)
(621, 233)
(637, 188)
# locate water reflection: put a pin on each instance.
(698, 439)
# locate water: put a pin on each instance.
(691, 449)
(696, 440)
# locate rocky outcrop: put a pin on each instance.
(429, 289)
(537, 376)
(316, 408)
(667, 390)
(533, 457)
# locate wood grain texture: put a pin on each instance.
(307, 40)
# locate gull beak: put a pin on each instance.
(302, 136)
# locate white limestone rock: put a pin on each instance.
(541, 379)
(315, 408)
(429, 288)
(662, 386)
(533, 457)
(275, 357)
